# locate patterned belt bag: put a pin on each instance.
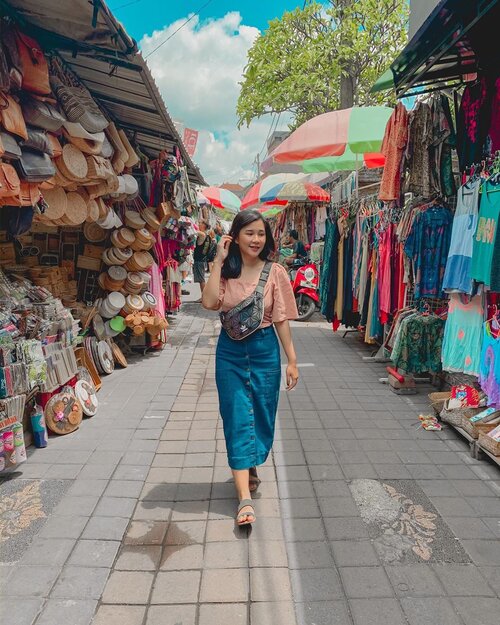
(246, 317)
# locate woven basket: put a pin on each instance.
(454, 416)
(438, 400)
(486, 442)
(474, 429)
(57, 203)
(76, 211)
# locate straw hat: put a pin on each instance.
(131, 184)
(152, 222)
(134, 220)
(85, 141)
(57, 203)
(93, 211)
(72, 163)
(120, 156)
(133, 159)
(106, 149)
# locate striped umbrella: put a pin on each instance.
(348, 161)
(292, 191)
(222, 198)
(360, 129)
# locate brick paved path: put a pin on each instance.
(362, 517)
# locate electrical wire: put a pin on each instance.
(180, 28)
(128, 4)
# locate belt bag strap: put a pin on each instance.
(263, 278)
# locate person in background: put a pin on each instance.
(298, 248)
(200, 254)
(212, 251)
(219, 232)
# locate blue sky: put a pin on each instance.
(198, 71)
(144, 16)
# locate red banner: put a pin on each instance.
(190, 140)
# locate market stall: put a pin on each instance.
(89, 201)
(415, 266)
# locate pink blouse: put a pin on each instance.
(279, 301)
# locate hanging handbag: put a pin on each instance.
(9, 43)
(246, 317)
(12, 119)
(34, 167)
(11, 149)
(20, 220)
(42, 115)
(10, 185)
(38, 141)
(34, 65)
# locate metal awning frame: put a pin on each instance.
(128, 58)
(437, 57)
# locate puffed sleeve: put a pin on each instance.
(284, 306)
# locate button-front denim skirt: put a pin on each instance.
(248, 375)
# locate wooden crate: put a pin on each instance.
(93, 251)
(86, 262)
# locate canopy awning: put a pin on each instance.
(458, 38)
(97, 48)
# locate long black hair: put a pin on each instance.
(233, 263)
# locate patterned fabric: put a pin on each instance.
(459, 264)
(473, 122)
(420, 138)
(395, 138)
(489, 373)
(427, 246)
(417, 348)
(246, 317)
(463, 335)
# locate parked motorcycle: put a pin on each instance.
(304, 276)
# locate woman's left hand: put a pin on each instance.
(292, 377)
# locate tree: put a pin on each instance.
(321, 58)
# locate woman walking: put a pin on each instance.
(256, 301)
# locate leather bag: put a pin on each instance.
(34, 65)
(12, 119)
(34, 167)
(10, 185)
(38, 141)
(11, 149)
(42, 115)
(9, 43)
(246, 317)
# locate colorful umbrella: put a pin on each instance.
(267, 191)
(222, 198)
(361, 129)
(348, 161)
(271, 211)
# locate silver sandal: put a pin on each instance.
(241, 515)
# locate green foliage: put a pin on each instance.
(300, 63)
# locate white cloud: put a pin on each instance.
(198, 72)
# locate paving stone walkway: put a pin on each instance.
(363, 518)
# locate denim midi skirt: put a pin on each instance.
(248, 375)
